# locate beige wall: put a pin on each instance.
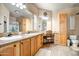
(55, 22)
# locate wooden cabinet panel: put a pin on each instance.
(63, 28)
(25, 47)
(17, 49)
(39, 42)
(56, 38)
(7, 51)
(10, 50)
(33, 45)
(63, 39)
(36, 43)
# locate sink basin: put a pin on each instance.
(10, 38)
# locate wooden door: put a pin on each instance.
(39, 41)
(63, 28)
(10, 50)
(7, 50)
(33, 46)
(25, 47)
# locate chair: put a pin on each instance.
(49, 37)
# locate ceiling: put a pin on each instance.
(49, 6)
(56, 6)
(17, 12)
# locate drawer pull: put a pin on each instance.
(21, 42)
(14, 45)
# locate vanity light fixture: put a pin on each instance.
(19, 5)
(45, 16)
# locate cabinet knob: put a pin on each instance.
(21, 42)
(14, 45)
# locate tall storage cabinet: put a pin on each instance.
(63, 28)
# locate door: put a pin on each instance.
(25, 47)
(63, 28)
(10, 50)
(7, 50)
(33, 46)
(39, 40)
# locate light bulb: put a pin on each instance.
(21, 7)
(17, 5)
(44, 17)
(24, 6)
(13, 3)
(20, 4)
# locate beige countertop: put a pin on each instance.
(7, 40)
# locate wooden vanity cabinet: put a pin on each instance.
(25, 47)
(36, 44)
(39, 41)
(33, 46)
(10, 50)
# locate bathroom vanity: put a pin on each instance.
(21, 45)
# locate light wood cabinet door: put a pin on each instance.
(33, 45)
(10, 50)
(63, 28)
(39, 41)
(36, 43)
(25, 47)
(7, 51)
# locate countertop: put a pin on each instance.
(7, 40)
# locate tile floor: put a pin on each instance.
(56, 50)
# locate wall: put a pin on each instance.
(4, 12)
(55, 27)
(49, 21)
(55, 22)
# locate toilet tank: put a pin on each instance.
(73, 37)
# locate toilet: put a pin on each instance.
(74, 40)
